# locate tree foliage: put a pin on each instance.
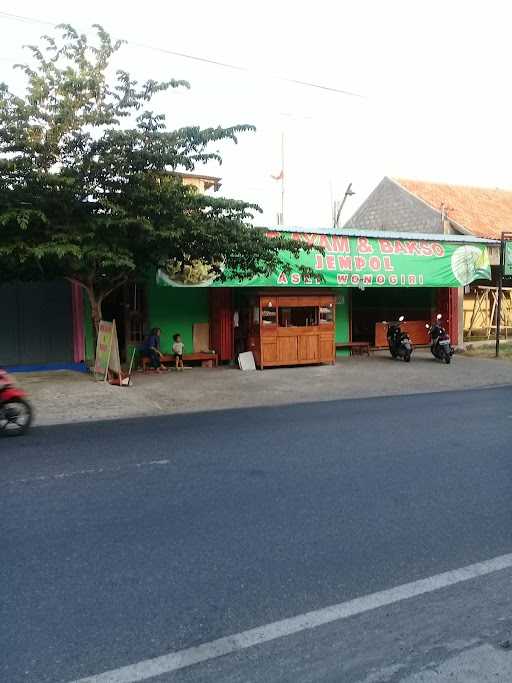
(87, 190)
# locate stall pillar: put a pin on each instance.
(77, 307)
(448, 302)
(221, 323)
(460, 318)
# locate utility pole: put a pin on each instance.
(280, 215)
(282, 177)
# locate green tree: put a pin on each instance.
(87, 190)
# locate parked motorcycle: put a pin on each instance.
(399, 342)
(440, 345)
(15, 410)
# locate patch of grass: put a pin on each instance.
(489, 350)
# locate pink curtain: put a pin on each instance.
(77, 302)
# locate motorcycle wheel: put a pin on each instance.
(15, 417)
(447, 359)
(407, 358)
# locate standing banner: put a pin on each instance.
(107, 351)
(507, 271)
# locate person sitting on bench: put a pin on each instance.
(151, 349)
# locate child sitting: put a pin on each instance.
(178, 348)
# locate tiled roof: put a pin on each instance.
(391, 207)
(483, 212)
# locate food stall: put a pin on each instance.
(287, 329)
(336, 295)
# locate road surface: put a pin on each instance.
(122, 542)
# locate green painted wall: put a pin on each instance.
(342, 319)
(171, 309)
(176, 309)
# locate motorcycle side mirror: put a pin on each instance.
(401, 319)
(439, 316)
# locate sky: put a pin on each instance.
(432, 78)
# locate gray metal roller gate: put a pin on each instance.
(36, 325)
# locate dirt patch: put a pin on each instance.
(488, 350)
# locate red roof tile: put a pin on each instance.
(484, 212)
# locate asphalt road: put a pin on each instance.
(123, 541)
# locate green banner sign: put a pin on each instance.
(358, 262)
(508, 259)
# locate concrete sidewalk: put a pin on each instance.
(64, 397)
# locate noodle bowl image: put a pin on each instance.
(193, 274)
(469, 262)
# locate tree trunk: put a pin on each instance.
(96, 300)
(96, 313)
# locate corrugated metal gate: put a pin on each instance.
(36, 323)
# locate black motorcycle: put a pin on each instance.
(399, 342)
(440, 345)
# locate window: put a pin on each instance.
(255, 316)
(326, 314)
(136, 329)
(135, 309)
(285, 317)
(299, 316)
(269, 315)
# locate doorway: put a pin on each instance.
(373, 305)
(127, 306)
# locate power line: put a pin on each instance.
(26, 20)
(245, 69)
(196, 58)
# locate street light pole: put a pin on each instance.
(348, 193)
(282, 177)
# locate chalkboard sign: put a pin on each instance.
(107, 351)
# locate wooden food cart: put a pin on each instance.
(292, 330)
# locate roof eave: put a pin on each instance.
(385, 234)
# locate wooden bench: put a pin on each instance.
(208, 360)
(358, 347)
